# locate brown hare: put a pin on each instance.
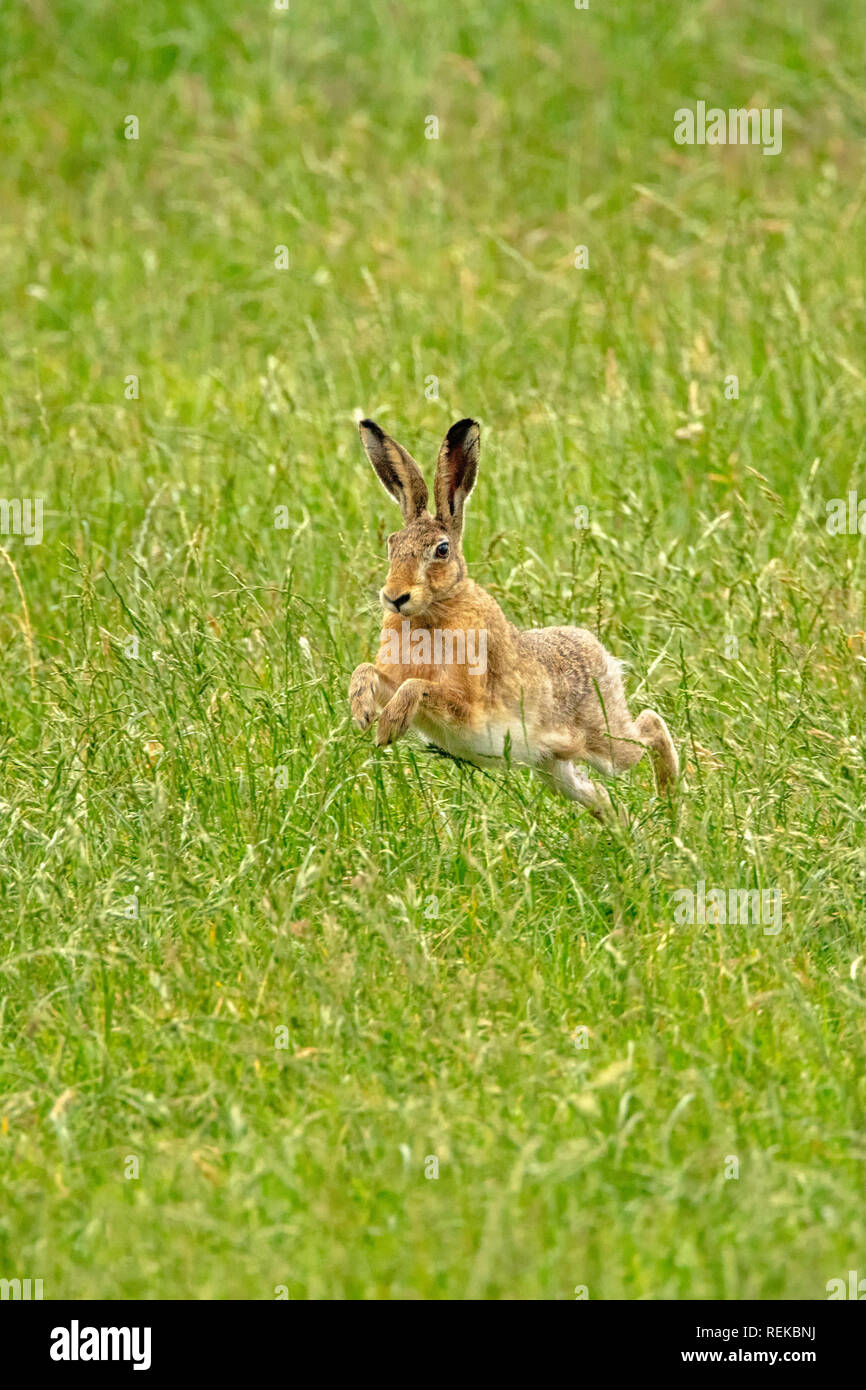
(548, 697)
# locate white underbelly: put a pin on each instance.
(484, 745)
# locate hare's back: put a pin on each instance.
(572, 659)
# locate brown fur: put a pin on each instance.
(549, 697)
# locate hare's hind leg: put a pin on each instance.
(624, 744)
(652, 731)
(563, 777)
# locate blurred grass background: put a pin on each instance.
(428, 937)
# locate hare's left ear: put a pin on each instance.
(456, 471)
(396, 470)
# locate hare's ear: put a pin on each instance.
(456, 471)
(397, 471)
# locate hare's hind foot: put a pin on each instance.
(624, 743)
(653, 732)
(563, 777)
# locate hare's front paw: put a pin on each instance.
(396, 717)
(362, 697)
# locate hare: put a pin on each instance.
(548, 697)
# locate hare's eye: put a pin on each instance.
(442, 550)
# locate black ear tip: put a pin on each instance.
(372, 427)
(458, 432)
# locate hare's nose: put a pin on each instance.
(398, 602)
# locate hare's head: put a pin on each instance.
(426, 559)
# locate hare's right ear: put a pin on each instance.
(397, 471)
(456, 471)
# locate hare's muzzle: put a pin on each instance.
(395, 603)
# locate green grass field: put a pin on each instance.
(246, 955)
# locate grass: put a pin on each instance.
(274, 970)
